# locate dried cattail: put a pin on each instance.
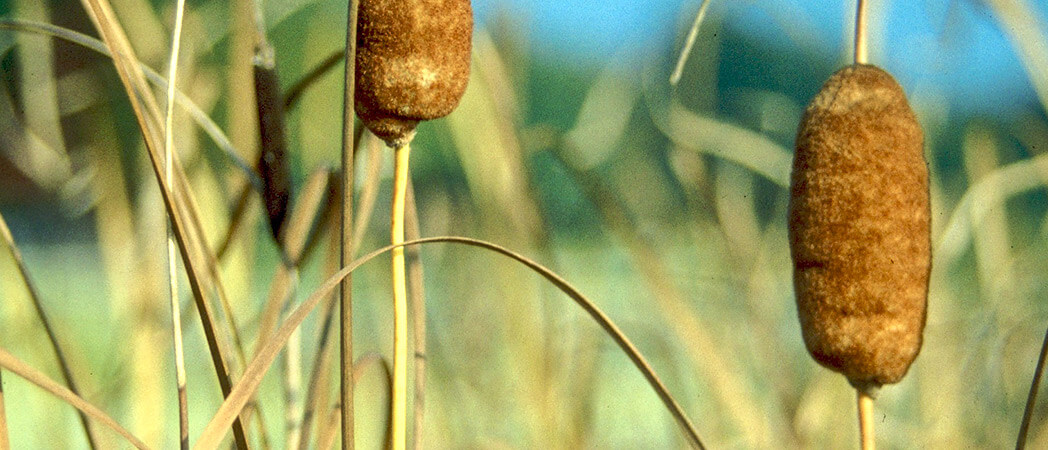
(273, 165)
(859, 227)
(412, 63)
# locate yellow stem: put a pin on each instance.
(860, 33)
(400, 300)
(866, 434)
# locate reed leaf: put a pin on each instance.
(147, 114)
(17, 367)
(245, 388)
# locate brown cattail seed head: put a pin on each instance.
(859, 227)
(412, 63)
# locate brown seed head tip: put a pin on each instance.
(413, 60)
(859, 227)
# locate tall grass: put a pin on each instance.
(664, 206)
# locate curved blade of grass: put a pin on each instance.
(1031, 399)
(16, 366)
(246, 387)
(147, 114)
(199, 116)
(38, 305)
(738, 399)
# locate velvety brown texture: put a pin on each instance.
(859, 227)
(412, 62)
(273, 165)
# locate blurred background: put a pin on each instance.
(665, 204)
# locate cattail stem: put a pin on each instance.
(866, 434)
(860, 32)
(400, 299)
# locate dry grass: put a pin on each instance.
(665, 206)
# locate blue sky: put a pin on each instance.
(952, 48)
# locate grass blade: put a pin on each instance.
(247, 385)
(146, 114)
(16, 366)
(63, 362)
(176, 314)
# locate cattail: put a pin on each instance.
(859, 227)
(412, 63)
(273, 165)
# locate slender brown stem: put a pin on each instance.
(866, 434)
(1031, 399)
(860, 32)
(346, 228)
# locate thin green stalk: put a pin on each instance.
(38, 305)
(346, 229)
(176, 314)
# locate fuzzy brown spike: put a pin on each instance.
(273, 165)
(859, 227)
(412, 63)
